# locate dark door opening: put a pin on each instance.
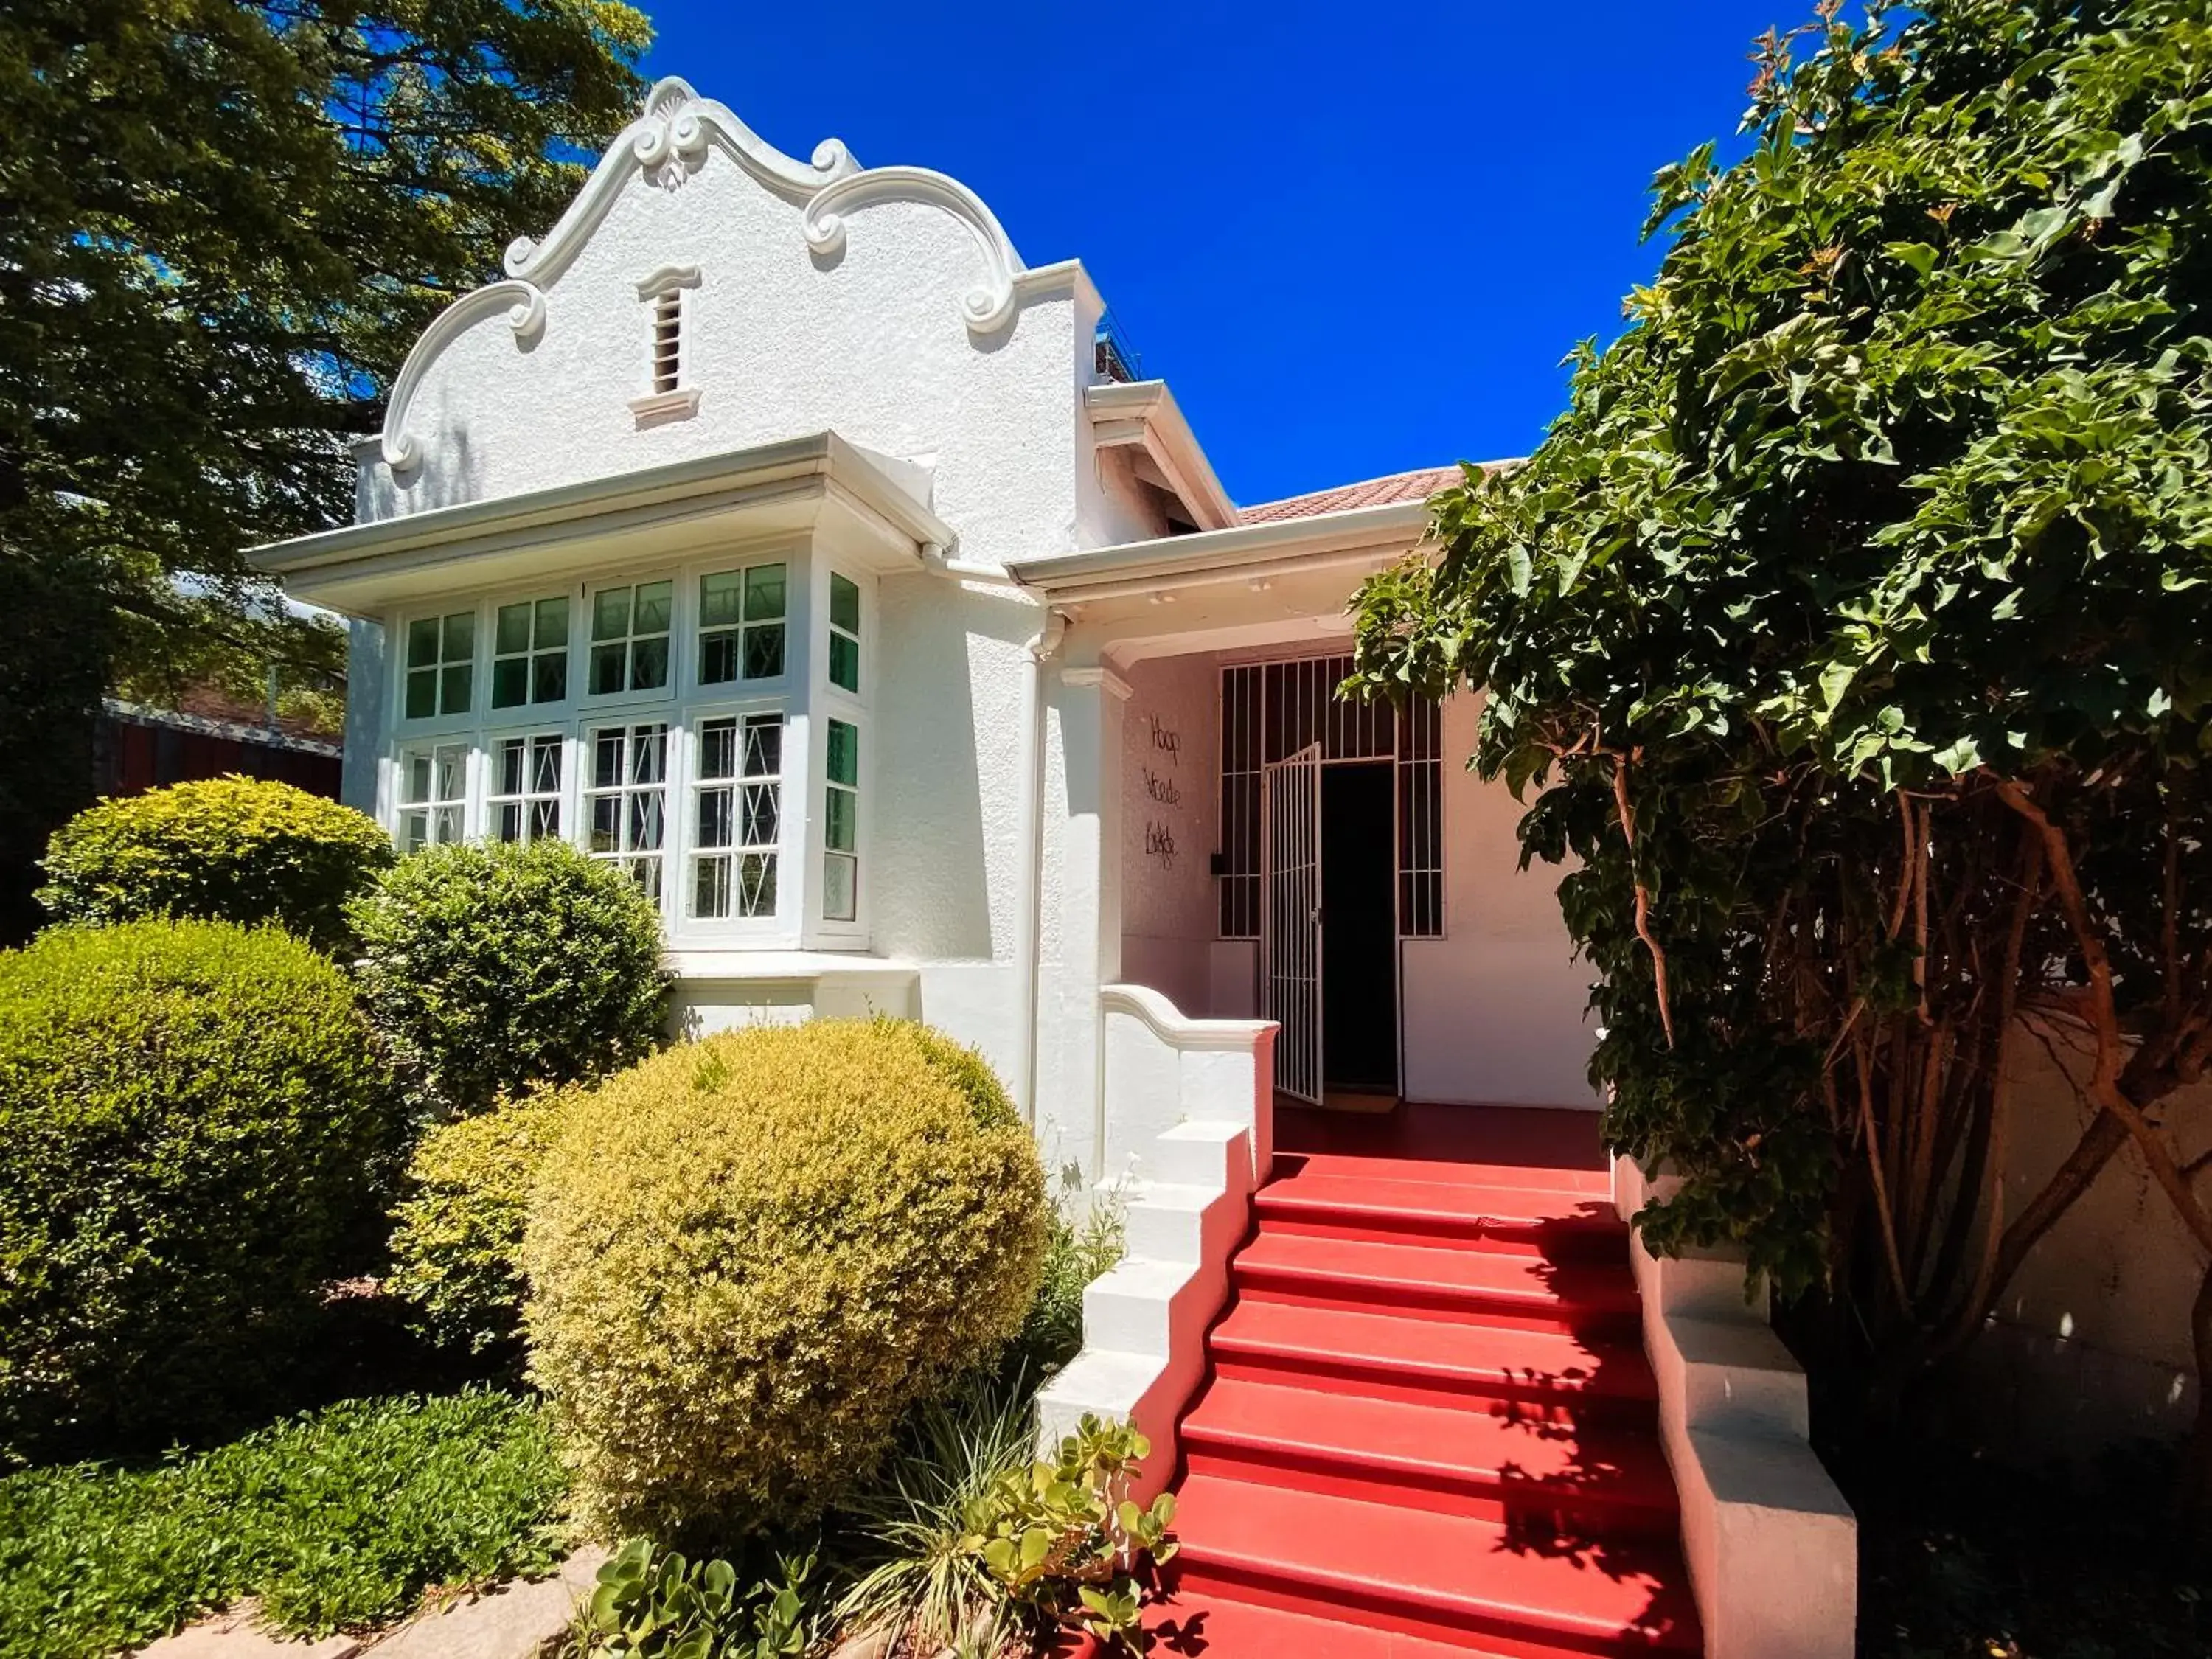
(1359, 927)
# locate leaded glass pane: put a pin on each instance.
(764, 652)
(722, 599)
(514, 757)
(653, 603)
(606, 823)
(717, 658)
(761, 803)
(460, 636)
(607, 663)
(764, 746)
(643, 827)
(756, 883)
(549, 676)
(552, 630)
(545, 766)
(715, 807)
(844, 662)
(844, 603)
(606, 760)
(511, 635)
(648, 755)
(717, 749)
(510, 682)
(649, 664)
(610, 613)
(422, 642)
(544, 820)
(454, 692)
(844, 752)
(838, 826)
(764, 592)
(422, 694)
(841, 888)
(710, 888)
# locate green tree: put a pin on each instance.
(221, 225)
(1852, 627)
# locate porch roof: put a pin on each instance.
(870, 504)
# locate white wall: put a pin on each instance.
(1170, 752)
(1494, 1009)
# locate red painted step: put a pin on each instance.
(1219, 1625)
(1496, 1466)
(1499, 1589)
(1448, 1280)
(1410, 1355)
(1562, 1225)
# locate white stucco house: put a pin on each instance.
(774, 532)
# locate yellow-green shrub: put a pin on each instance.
(238, 850)
(458, 1231)
(749, 1256)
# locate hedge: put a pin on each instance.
(751, 1255)
(228, 849)
(193, 1123)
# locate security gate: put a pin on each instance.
(1291, 921)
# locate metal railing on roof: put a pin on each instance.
(1112, 356)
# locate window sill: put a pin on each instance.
(656, 408)
(731, 963)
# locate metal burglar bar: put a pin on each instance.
(1291, 947)
(1272, 710)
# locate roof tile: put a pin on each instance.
(1414, 486)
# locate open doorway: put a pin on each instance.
(1360, 929)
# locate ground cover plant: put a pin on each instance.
(238, 850)
(750, 1256)
(337, 1519)
(492, 969)
(194, 1130)
(1849, 627)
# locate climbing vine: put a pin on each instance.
(1850, 634)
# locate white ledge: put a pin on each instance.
(730, 964)
(1170, 1024)
(655, 408)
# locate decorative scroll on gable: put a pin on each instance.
(671, 141)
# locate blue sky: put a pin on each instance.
(1355, 238)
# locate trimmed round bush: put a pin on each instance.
(237, 850)
(193, 1124)
(748, 1257)
(455, 1247)
(492, 969)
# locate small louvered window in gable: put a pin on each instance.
(670, 394)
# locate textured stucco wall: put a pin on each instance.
(1493, 1010)
(1170, 764)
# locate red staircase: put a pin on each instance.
(1428, 1429)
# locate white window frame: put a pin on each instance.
(564, 796)
(625, 790)
(479, 688)
(530, 708)
(678, 611)
(789, 868)
(829, 701)
(739, 563)
(462, 807)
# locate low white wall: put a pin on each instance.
(1771, 1546)
(1190, 1108)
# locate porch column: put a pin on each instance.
(1081, 916)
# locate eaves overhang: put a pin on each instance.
(1364, 535)
(817, 485)
(1143, 415)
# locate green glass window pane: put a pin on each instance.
(422, 642)
(552, 623)
(453, 697)
(549, 676)
(510, 682)
(720, 599)
(649, 664)
(764, 592)
(844, 603)
(844, 662)
(512, 632)
(841, 888)
(609, 615)
(838, 836)
(422, 693)
(460, 636)
(718, 657)
(764, 652)
(844, 753)
(607, 664)
(653, 600)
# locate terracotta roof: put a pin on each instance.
(1374, 492)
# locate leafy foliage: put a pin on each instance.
(238, 850)
(750, 1256)
(1064, 1541)
(457, 1237)
(1850, 626)
(652, 1603)
(335, 1519)
(193, 1124)
(1078, 1252)
(493, 968)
